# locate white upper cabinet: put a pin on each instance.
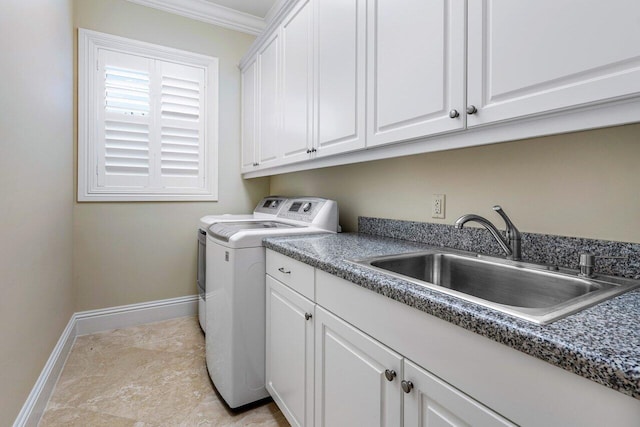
(249, 147)
(297, 83)
(531, 57)
(340, 49)
(268, 102)
(416, 52)
(339, 76)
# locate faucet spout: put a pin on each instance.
(510, 244)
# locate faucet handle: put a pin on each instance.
(511, 232)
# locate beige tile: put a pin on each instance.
(151, 375)
(182, 334)
(73, 417)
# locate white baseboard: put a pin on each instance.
(37, 401)
(92, 321)
(89, 322)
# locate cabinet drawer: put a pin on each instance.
(295, 274)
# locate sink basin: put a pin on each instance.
(532, 292)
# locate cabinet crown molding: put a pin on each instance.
(273, 19)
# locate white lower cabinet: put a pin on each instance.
(338, 355)
(351, 382)
(289, 352)
(429, 401)
(322, 371)
(360, 382)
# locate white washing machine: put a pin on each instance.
(267, 208)
(235, 293)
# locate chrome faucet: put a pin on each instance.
(510, 244)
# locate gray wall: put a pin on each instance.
(126, 253)
(36, 190)
(584, 184)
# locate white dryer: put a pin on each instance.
(266, 208)
(235, 296)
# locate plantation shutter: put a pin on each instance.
(124, 120)
(151, 125)
(182, 128)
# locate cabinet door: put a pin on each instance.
(248, 117)
(530, 57)
(268, 101)
(432, 402)
(350, 384)
(297, 85)
(340, 44)
(289, 352)
(416, 69)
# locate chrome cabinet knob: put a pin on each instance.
(407, 386)
(471, 109)
(453, 114)
(308, 316)
(390, 374)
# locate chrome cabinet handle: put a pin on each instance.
(453, 114)
(390, 374)
(471, 109)
(407, 386)
(308, 316)
(283, 271)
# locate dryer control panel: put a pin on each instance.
(313, 210)
(270, 205)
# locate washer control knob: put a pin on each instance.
(306, 207)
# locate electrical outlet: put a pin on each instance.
(437, 206)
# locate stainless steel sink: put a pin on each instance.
(537, 293)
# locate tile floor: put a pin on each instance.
(148, 375)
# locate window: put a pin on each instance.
(147, 121)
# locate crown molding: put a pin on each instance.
(277, 7)
(211, 13)
(274, 17)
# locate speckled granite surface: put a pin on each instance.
(601, 343)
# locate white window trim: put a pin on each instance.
(89, 42)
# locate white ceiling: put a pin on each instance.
(257, 8)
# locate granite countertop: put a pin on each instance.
(601, 343)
